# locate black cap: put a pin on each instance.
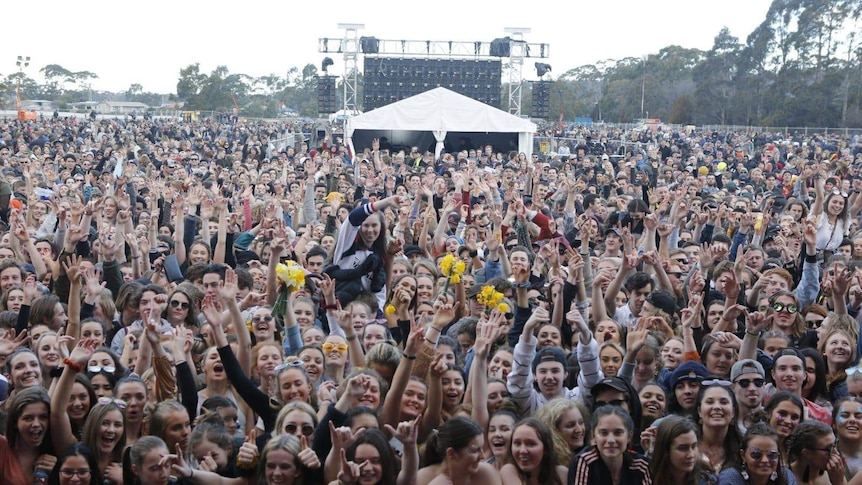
(614, 383)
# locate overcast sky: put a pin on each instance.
(149, 42)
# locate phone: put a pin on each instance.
(172, 269)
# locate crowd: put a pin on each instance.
(203, 302)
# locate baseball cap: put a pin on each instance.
(612, 382)
(549, 354)
(746, 366)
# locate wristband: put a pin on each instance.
(350, 338)
(407, 356)
(753, 334)
(326, 306)
(73, 365)
(474, 253)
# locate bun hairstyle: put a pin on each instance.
(456, 433)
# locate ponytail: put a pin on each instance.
(432, 455)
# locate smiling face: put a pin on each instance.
(268, 357)
(293, 385)
(79, 402)
(313, 361)
(500, 434)
(716, 407)
(33, 424)
(672, 354)
(49, 355)
(571, 425)
(25, 370)
(413, 402)
(784, 418)
(838, 350)
(653, 401)
(848, 421)
(372, 471)
(612, 437)
(550, 377)
(761, 458)
(788, 373)
(453, 389)
(110, 431)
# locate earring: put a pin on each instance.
(744, 471)
(773, 477)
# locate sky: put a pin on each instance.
(149, 42)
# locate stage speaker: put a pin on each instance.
(327, 99)
(541, 99)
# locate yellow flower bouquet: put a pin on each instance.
(290, 277)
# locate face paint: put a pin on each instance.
(840, 420)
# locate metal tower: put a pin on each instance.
(351, 49)
(518, 50)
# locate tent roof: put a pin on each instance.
(440, 110)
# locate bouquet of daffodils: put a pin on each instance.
(290, 277)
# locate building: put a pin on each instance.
(121, 107)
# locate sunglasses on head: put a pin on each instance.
(716, 382)
(94, 369)
(789, 307)
(292, 363)
(305, 429)
(757, 454)
(329, 347)
(109, 400)
(182, 304)
(744, 383)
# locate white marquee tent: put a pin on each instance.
(439, 118)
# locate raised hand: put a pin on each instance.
(307, 456)
(10, 342)
(406, 431)
(343, 436)
(229, 290)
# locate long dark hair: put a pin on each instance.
(456, 433)
(16, 405)
(732, 441)
(765, 431)
(548, 466)
(377, 439)
(819, 388)
(672, 427)
(77, 449)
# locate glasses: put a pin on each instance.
(95, 369)
(681, 261)
(853, 370)
(82, 473)
(612, 402)
(790, 307)
(757, 455)
(104, 401)
(676, 274)
(183, 304)
(306, 429)
(716, 382)
(839, 192)
(744, 383)
(329, 347)
(287, 365)
(828, 449)
(814, 323)
(267, 319)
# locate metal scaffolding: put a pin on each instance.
(351, 45)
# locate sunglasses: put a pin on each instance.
(757, 455)
(612, 402)
(814, 323)
(716, 382)
(306, 429)
(744, 383)
(790, 307)
(267, 319)
(287, 365)
(95, 369)
(182, 304)
(329, 347)
(109, 400)
(839, 192)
